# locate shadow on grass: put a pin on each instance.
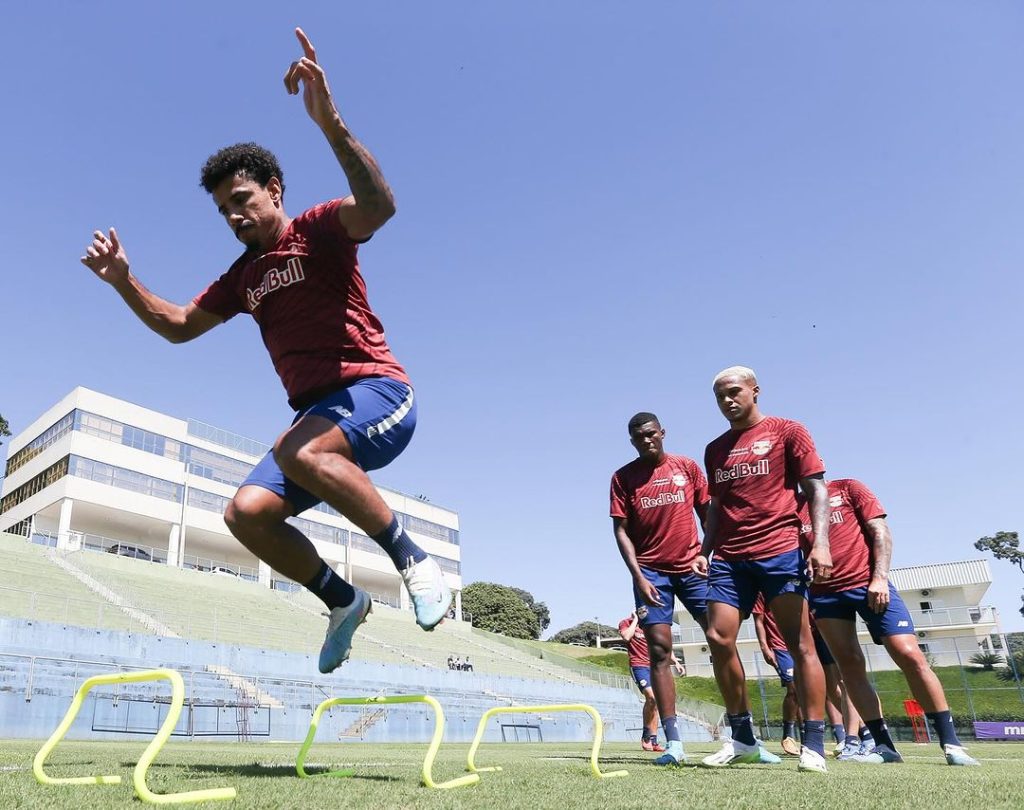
(258, 770)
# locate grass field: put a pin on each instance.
(534, 776)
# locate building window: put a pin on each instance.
(215, 467)
(208, 501)
(125, 479)
(36, 484)
(452, 566)
(428, 528)
(926, 605)
(364, 543)
(61, 428)
(319, 531)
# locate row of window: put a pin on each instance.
(37, 483)
(40, 443)
(125, 479)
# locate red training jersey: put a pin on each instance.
(755, 473)
(309, 299)
(657, 503)
(639, 656)
(851, 506)
(771, 629)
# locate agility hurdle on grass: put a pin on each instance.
(558, 707)
(139, 774)
(428, 762)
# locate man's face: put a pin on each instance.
(253, 212)
(736, 397)
(648, 439)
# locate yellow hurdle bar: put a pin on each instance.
(428, 762)
(558, 707)
(139, 775)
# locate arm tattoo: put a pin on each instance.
(364, 175)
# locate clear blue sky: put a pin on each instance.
(600, 204)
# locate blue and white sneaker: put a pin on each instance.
(431, 597)
(674, 754)
(341, 626)
(811, 761)
(732, 752)
(766, 757)
(957, 755)
(866, 747)
(880, 755)
(850, 750)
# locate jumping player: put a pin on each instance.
(861, 551)
(753, 528)
(653, 501)
(640, 666)
(355, 410)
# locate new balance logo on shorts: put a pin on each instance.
(742, 470)
(903, 623)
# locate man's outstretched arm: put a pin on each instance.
(107, 259)
(372, 203)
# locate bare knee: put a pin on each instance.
(253, 510)
(910, 659)
(720, 641)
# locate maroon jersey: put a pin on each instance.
(639, 656)
(657, 504)
(755, 474)
(309, 299)
(851, 506)
(771, 629)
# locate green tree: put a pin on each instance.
(1004, 546)
(5, 429)
(540, 608)
(988, 661)
(584, 633)
(500, 609)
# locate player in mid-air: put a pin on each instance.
(355, 410)
(861, 546)
(653, 502)
(640, 666)
(754, 471)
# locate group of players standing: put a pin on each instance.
(775, 533)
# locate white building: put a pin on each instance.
(944, 599)
(98, 472)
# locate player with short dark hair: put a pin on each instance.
(862, 551)
(355, 411)
(653, 501)
(753, 528)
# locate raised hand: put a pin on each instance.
(106, 257)
(315, 92)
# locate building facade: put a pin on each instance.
(101, 473)
(944, 599)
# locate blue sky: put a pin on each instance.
(600, 205)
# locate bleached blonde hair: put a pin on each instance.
(742, 372)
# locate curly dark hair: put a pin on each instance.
(250, 159)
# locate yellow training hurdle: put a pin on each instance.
(139, 774)
(428, 762)
(558, 707)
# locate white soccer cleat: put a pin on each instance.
(674, 754)
(811, 761)
(733, 752)
(431, 597)
(880, 755)
(341, 626)
(957, 755)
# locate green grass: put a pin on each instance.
(534, 776)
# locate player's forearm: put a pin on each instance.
(710, 529)
(816, 491)
(163, 317)
(881, 548)
(628, 553)
(365, 179)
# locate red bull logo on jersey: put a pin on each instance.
(275, 279)
(761, 448)
(663, 499)
(742, 470)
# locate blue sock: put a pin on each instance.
(852, 739)
(398, 546)
(332, 589)
(671, 729)
(865, 736)
(839, 732)
(942, 722)
(742, 728)
(880, 731)
(789, 729)
(648, 735)
(814, 735)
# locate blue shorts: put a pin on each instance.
(377, 415)
(895, 621)
(642, 677)
(824, 653)
(784, 666)
(691, 589)
(737, 582)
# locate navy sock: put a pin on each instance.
(671, 729)
(852, 739)
(880, 731)
(865, 735)
(742, 728)
(648, 735)
(839, 732)
(332, 589)
(814, 735)
(789, 728)
(398, 546)
(942, 722)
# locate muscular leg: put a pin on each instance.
(923, 683)
(790, 612)
(841, 637)
(659, 643)
(833, 697)
(723, 627)
(256, 518)
(790, 704)
(650, 713)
